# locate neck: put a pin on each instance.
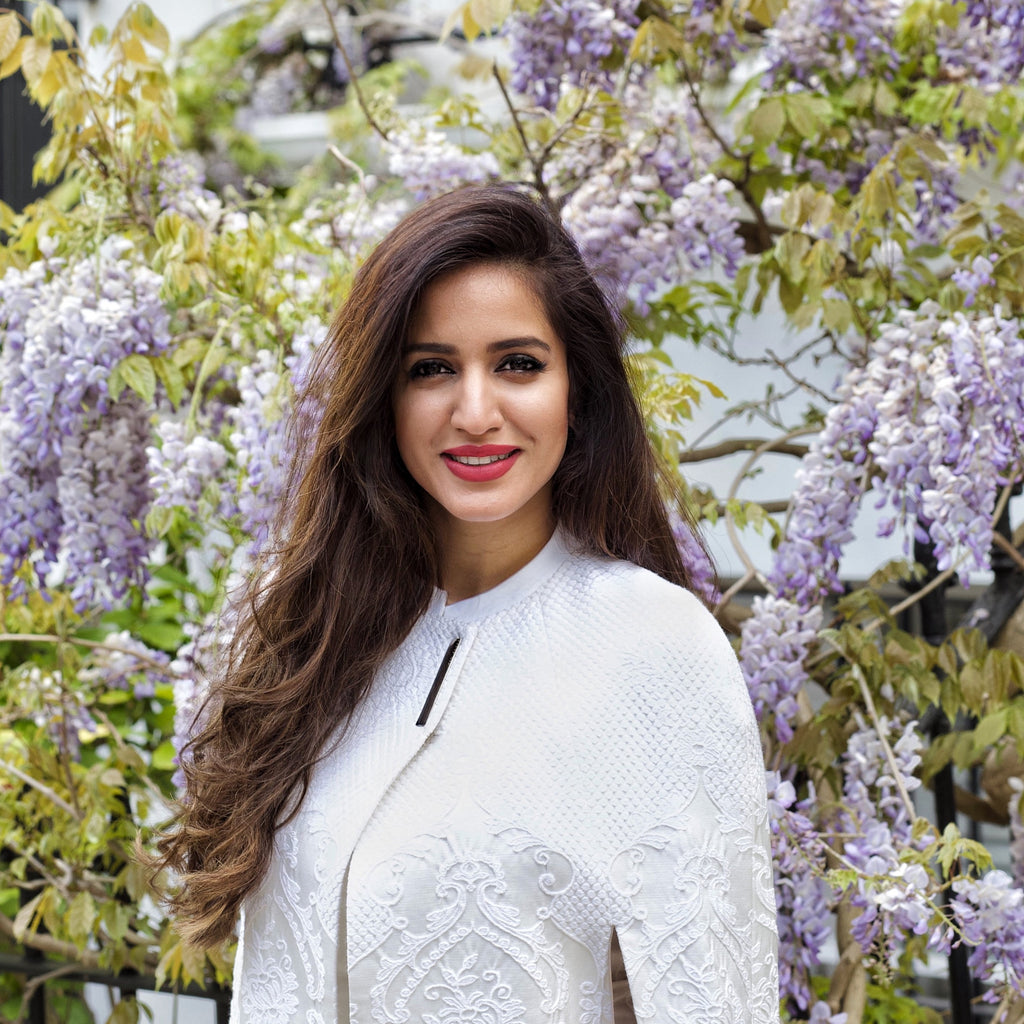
(479, 556)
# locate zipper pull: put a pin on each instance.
(438, 680)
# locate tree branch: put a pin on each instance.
(740, 444)
(536, 163)
(45, 791)
(353, 77)
(54, 638)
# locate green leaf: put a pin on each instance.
(10, 33)
(765, 124)
(138, 373)
(163, 757)
(24, 922)
(81, 916)
(990, 730)
(171, 376)
(167, 636)
(765, 11)
(126, 1012)
(111, 698)
(807, 114)
(490, 14)
(115, 918)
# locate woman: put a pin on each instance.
(476, 728)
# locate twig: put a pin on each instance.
(565, 127)
(742, 185)
(42, 789)
(538, 167)
(54, 638)
(747, 577)
(730, 524)
(909, 602)
(1001, 542)
(353, 78)
(890, 757)
(350, 165)
(740, 444)
(775, 507)
(33, 984)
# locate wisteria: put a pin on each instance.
(697, 562)
(892, 894)
(73, 481)
(804, 898)
(197, 661)
(774, 642)
(123, 662)
(186, 473)
(677, 160)
(813, 39)
(933, 422)
(990, 916)
(428, 163)
(651, 213)
(259, 432)
(564, 43)
(349, 218)
(987, 42)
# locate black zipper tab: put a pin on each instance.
(438, 680)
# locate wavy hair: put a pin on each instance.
(359, 560)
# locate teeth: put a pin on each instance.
(472, 460)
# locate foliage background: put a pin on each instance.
(159, 306)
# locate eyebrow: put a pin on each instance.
(441, 349)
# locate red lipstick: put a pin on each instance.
(479, 463)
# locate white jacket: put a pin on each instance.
(589, 762)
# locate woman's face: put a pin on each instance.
(482, 400)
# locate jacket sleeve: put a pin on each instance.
(699, 940)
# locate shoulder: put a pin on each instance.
(659, 634)
(645, 608)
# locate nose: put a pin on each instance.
(477, 408)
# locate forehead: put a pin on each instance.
(479, 300)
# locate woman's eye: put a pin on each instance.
(522, 364)
(428, 368)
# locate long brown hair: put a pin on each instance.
(359, 560)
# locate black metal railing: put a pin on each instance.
(32, 964)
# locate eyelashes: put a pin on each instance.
(517, 363)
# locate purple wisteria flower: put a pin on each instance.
(73, 479)
(838, 39)
(428, 163)
(933, 423)
(260, 431)
(986, 45)
(803, 897)
(196, 662)
(989, 912)
(696, 560)
(774, 642)
(186, 472)
(564, 43)
(972, 280)
(892, 893)
(125, 663)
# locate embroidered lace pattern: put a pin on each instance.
(591, 764)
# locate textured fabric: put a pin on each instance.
(591, 763)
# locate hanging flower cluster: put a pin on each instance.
(933, 423)
(73, 477)
(565, 44)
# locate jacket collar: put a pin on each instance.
(509, 592)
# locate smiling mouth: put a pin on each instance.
(484, 460)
